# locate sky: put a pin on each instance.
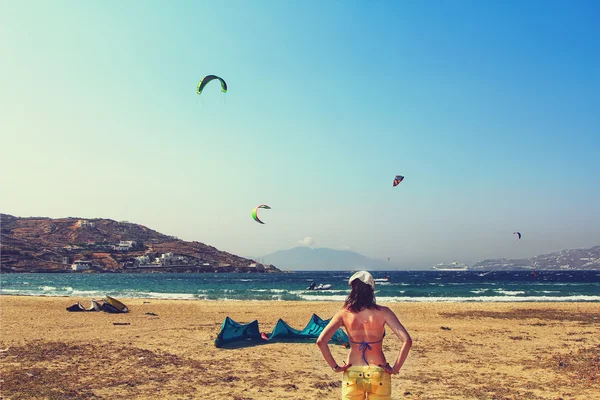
(489, 109)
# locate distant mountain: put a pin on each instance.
(50, 245)
(306, 258)
(570, 259)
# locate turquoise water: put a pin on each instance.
(423, 286)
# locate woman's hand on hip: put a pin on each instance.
(337, 368)
(387, 368)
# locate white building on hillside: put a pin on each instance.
(124, 245)
(83, 222)
(81, 265)
(142, 260)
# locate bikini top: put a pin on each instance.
(364, 346)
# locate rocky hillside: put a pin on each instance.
(570, 259)
(52, 245)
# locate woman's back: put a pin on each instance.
(365, 330)
(366, 372)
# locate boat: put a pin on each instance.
(454, 266)
(327, 286)
(384, 279)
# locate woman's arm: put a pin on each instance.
(324, 338)
(394, 323)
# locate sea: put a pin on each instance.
(402, 286)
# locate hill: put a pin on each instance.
(306, 258)
(103, 245)
(569, 259)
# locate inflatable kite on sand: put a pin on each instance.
(109, 305)
(235, 334)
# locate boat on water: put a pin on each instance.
(454, 266)
(384, 279)
(327, 286)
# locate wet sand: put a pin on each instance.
(483, 351)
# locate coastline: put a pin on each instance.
(403, 286)
(534, 350)
(339, 299)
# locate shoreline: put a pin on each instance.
(534, 350)
(336, 299)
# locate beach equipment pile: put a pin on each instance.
(109, 305)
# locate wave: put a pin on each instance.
(174, 296)
(55, 289)
(87, 293)
(301, 295)
(485, 299)
(509, 292)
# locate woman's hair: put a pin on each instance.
(361, 296)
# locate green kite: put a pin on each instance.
(209, 78)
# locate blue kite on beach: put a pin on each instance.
(235, 333)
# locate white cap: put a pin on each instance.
(364, 277)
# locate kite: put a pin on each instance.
(255, 212)
(398, 179)
(518, 234)
(209, 78)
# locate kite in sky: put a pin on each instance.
(518, 234)
(255, 212)
(209, 78)
(398, 179)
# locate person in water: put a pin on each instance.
(366, 371)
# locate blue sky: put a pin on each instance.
(489, 109)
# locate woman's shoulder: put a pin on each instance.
(342, 312)
(377, 307)
(385, 310)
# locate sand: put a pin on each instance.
(490, 351)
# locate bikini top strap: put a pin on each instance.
(365, 342)
(364, 346)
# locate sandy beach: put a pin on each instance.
(490, 351)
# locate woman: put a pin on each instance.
(366, 371)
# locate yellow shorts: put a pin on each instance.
(373, 381)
